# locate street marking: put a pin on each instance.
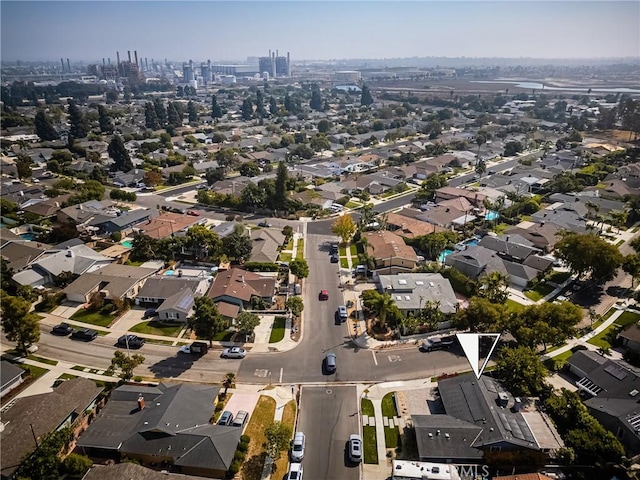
(375, 360)
(261, 372)
(280, 375)
(394, 358)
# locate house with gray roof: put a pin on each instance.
(122, 221)
(157, 289)
(266, 244)
(411, 291)
(130, 470)
(20, 254)
(164, 424)
(40, 415)
(84, 212)
(113, 280)
(565, 216)
(482, 417)
(177, 307)
(612, 390)
(11, 377)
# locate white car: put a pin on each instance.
(297, 447)
(234, 352)
(295, 471)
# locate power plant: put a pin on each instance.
(274, 65)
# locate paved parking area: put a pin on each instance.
(242, 401)
(416, 401)
(125, 322)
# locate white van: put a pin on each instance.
(297, 289)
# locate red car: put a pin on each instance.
(324, 295)
(193, 213)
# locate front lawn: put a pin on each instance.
(284, 257)
(539, 291)
(353, 249)
(277, 331)
(369, 446)
(261, 416)
(366, 406)
(391, 434)
(344, 262)
(288, 418)
(155, 327)
(224, 336)
(300, 249)
(343, 251)
(514, 306)
(94, 318)
(600, 340)
(627, 318)
(42, 360)
(558, 277)
(352, 204)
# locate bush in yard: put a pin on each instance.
(245, 439)
(234, 469)
(107, 309)
(116, 236)
(238, 456)
(243, 447)
(77, 465)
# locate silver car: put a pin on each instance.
(355, 448)
(297, 447)
(234, 352)
(241, 418)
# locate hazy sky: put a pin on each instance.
(222, 30)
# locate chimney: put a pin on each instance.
(118, 57)
(62, 62)
(135, 53)
(103, 62)
(146, 64)
(68, 66)
(140, 402)
(129, 54)
(109, 60)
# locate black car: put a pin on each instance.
(130, 341)
(333, 249)
(63, 329)
(149, 313)
(335, 258)
(84, 334)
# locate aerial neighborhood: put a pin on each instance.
(277, 269)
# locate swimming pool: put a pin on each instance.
(491, 215)
(170, 272)
(28, 236)
(444, 255)
(127, 243)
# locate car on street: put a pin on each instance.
(295, 471)
(342, 313)
(240, 419)
(335, 258)
(330, 365)
(333, 248)
(62, 329)
(355, 448)
(193, 213)
(297, 447)
(130, 341)
(84, 334)
(196, 348)
(234, 352)
(264, 223)
(226, 418)
(324, 295)
(438, 343)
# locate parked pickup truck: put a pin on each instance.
(196, 348)
(438, 343)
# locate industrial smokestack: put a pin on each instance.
(109, 60)
(146, 64)
(62, 62)
(103, 62)
(277, 53)
(288, 65)
(68, 66)
(273, 64)
(118, 57)
(135, 52)
(129, 55)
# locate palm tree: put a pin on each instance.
(228, 381)
(493, 287)
(481, 139)
(381, 308)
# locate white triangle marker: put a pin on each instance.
(470, 343)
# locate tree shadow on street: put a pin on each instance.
(173, 367)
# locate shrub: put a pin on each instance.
(137, 379)
(243, 447)
(261, 267)
(460, 282)
(234, 469)
(76, 464)
(245, 439)
(107, 309)
(239, 456)
(49, 302)
(116, 236)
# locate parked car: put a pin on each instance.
(297, 447)
(62, 329)
(355, 448)
(335, 258)
(330, 363)
(438, 343)
(342, 313)
(241, 418)
(234, 352)
(295, 471)
(226, 418)
(333, 248)
(130, 341)
(193, 213)
(264, 223)
(149, 313)
(196, 348)
(84, 334)
(324, 295)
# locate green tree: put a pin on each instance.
(428, 188)
(547, 323)
(125, 363)
(482, 316)
(23, 167)
(253, 197)
(79, 125)
(238, 245)
(282, 176)
(216, 111)
(206, 321)
(481, 139)
(273, 106)
(319, 142)
(435, 243)
(295, 305)
(44, 463)
(106, 125)
(481, 167)
(379, 304)
(161, 112)
(204, 242)
(120, 155)
(365, 98)
(246, 322)
(174, 115)
(278, 436)
(18, 324)
(44, 128)
(192, 111)
(511, 148)
(588, 254)
(77, 465)
(493, 287)
(250, 169)
(324, 126)
(151, 116)
(521, 371)
(260, 110)
(631, 265)
(247, 109)
(344, 227)
(316, 98)
(299, 267)
(228, 381)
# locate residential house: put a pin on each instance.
(542, 236)
(232, 290)
(122, 221)
(202, 168)
(163, 425)
(408, 226)
(411, 291)
(612, 390)
(128, 179)
(630, 337)
(314, 198)
(177, 307)
(172, 296)
(166, 224)
(390, 253)
(568, 216)
(46, 208)
(266, 244)
(112, 281)
(226, 228)
(447, 193)
(446, 217)
(376, 183)
(20, 254)
(482, 417)
(39, 415)
(83, 213)
(76, 259)
(130, 470)
(233, 186)
(11, 377)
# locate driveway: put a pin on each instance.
(242, 401)
(131, 318)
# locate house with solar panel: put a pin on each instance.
(612, 392)
(483, 421)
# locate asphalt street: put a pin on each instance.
(328, 415)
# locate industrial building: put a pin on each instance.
(347, 76)
(274, 65)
